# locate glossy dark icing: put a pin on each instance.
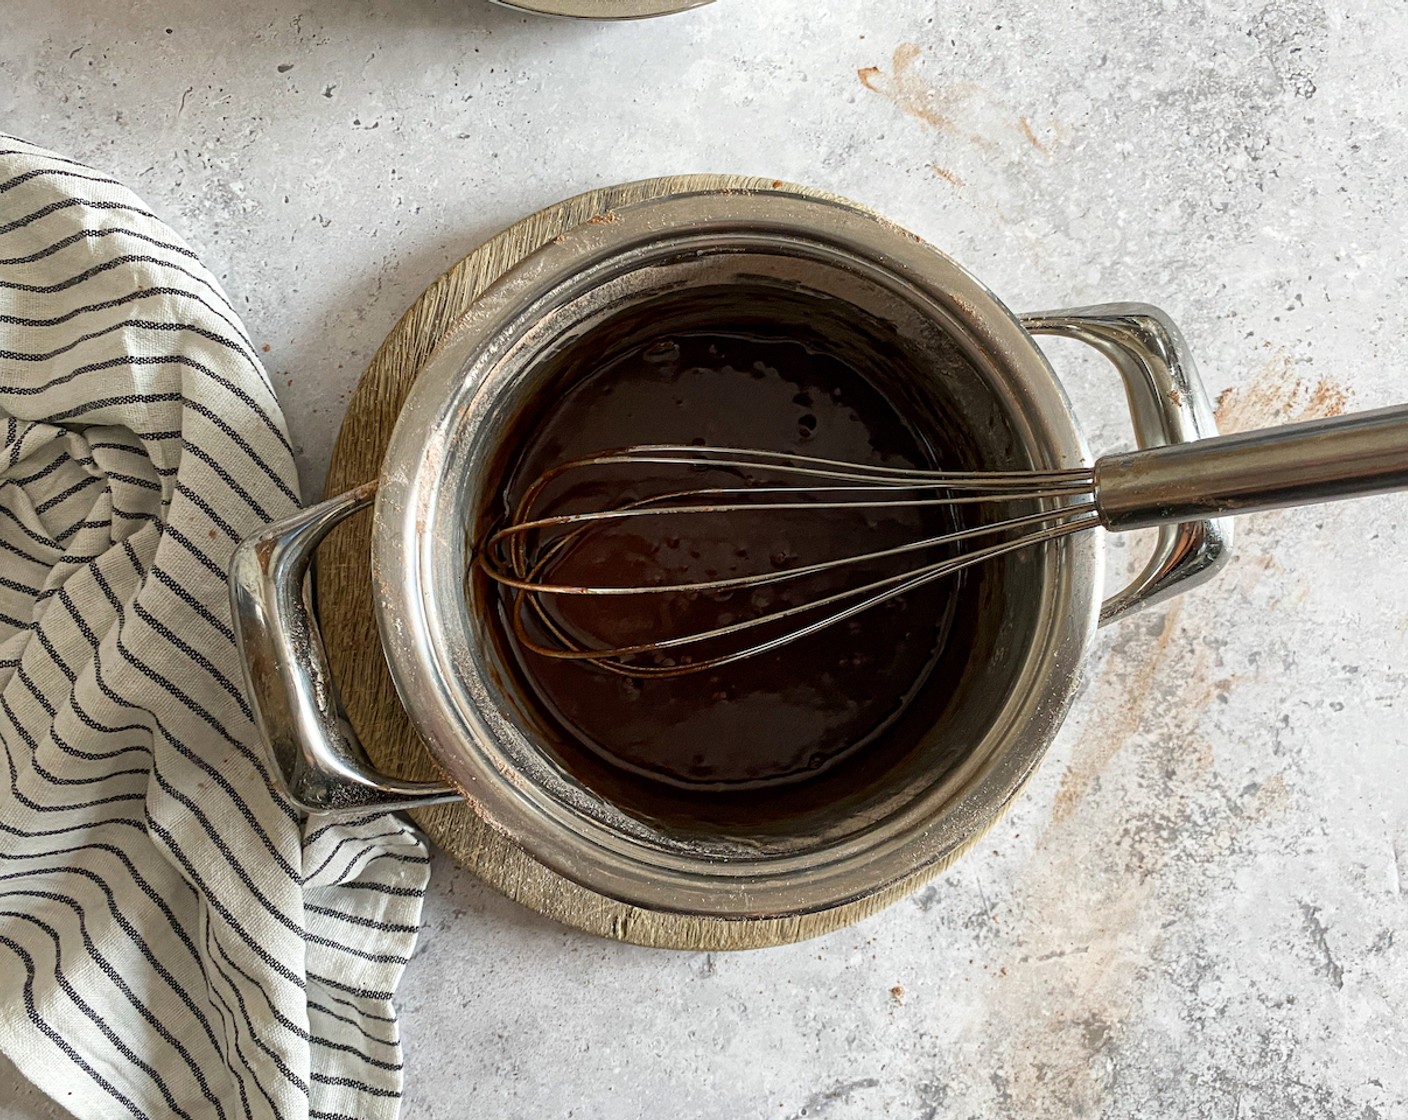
(782, 719)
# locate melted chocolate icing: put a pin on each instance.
(729, 741)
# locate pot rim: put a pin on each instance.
(452, 703)
(603, 9)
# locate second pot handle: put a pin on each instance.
(1168, 405)
(316, 754)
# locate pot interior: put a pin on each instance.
(959, 409)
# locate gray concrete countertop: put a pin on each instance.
(1200, 908)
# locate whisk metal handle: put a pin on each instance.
(1297, 464)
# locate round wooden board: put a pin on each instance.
(344, 595)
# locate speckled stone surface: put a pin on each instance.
(1200, 908)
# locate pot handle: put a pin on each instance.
(1168, 405)
(317, 756)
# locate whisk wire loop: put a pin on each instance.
(522, 554)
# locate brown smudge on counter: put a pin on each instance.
(1275, 395)
(1327, 399)
(1116, 718)
(1223, 406)
(1220, 689)
(933, 105)
(947, 175)
(1030, 134)
(1093, 909)
(962, 110)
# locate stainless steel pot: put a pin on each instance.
(856, 273)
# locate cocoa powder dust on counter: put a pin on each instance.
(735, 739)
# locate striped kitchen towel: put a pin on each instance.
(174, 940)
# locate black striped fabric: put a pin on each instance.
(174, 940)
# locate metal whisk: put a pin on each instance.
(1296, 464)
